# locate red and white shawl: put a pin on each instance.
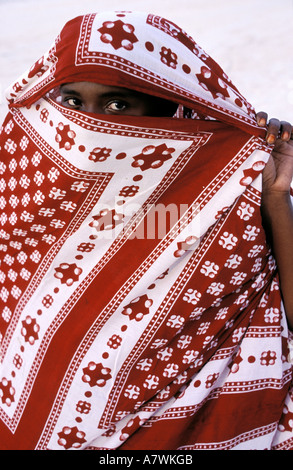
(140, 304)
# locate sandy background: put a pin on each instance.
(251, 39)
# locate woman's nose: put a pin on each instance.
(92, 107)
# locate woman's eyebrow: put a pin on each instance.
(117, 93)
(64, 89)
(107, 94)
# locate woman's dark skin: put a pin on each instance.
(277, 209)
(95, 98)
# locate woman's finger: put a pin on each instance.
(274, 127)
(261, 118)
(286, 130)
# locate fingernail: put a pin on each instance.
(262, 122)
(271, 139)
(285, 135)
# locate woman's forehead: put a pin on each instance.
(96, 88)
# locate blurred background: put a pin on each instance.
(252, 40)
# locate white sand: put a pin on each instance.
(251, 39)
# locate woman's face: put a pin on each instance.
(95, 98)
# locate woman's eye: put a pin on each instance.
(117, 106)
(73, 102)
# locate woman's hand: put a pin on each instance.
(275, 128)
(276, 206)
(278, 173)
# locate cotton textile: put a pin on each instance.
(141, 306)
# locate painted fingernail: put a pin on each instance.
(271, 139)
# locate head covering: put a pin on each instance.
(140, 302)
(155, 57)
